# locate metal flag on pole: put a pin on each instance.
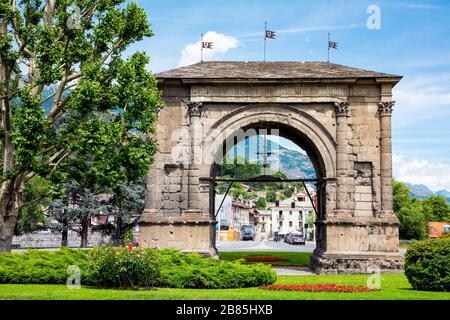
(204, 45)
(268, 34)
(332, 45)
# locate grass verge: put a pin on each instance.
(293, 258)
(393, 287)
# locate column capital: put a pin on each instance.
(385, 108)
(194, 109)
(341, 108)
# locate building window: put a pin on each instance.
(280, 223)
(280, 213)
(290, 212)
(301, 199)
(292, 204)
(277, 203)
(290, 223)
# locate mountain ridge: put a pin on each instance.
(297, 164)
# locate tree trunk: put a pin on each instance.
(84, 234)
(64, 237)
(9, 213)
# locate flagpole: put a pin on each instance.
(201, 46)
(265, 39)
(328, 59)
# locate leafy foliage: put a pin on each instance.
(82, 112)
(436, 208)
(401, 197)
(413, 224)
(261, 204)
(124, 267)
(121, 267)
(38, 193)
(35, 266)
(427, 265)
(126, 202)
(414, 214)
(193, 271)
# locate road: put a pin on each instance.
(233, 246)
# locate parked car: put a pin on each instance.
(296, 238)
(247, 232)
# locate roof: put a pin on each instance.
(269, 70)
(436, 229)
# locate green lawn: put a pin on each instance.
(392, 287)
(295, 258)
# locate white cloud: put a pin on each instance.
(422, 97)
(435, 175)
(221, 44)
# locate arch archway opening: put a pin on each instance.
(282, 210)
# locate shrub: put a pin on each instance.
(36, 266)
(124, 267)
(193, 271)
(121, 267)
(427, 265)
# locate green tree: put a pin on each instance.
(37, 194)
(271, 196)
(436, 208)
(76, 76)
(401, 195)
(261, 204)
(126, 203)
(413, 224)
(239, 169)
(75, 210)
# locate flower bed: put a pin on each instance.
(316, 288)
(265, 259)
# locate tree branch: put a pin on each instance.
(48, 12)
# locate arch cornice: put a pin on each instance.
(286, 115)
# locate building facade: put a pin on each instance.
(340, 116)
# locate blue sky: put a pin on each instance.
(413, 41)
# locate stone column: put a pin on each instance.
(342, 158)
(194, 113)
(385, 110)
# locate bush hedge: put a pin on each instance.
(193, 271)
(167, 268)
(427, 265)
(37, 266)
(112, 267)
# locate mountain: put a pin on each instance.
(297, 164)
(444, 193)
(421, 191)
(291, 162)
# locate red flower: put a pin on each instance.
(130, 246)
(317, 288)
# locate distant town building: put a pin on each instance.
(437, 229)
(232, 216)
(284, 216)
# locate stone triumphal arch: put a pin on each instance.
(340, 116)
